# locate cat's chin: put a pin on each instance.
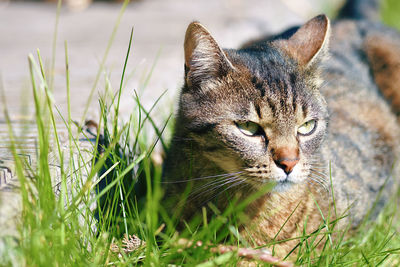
(283, 186)
(280, 184)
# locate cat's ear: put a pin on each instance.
(204, 59)
(309, 43)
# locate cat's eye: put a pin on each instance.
(307, 128)
(249, 128)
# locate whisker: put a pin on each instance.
(201, 178)
(324, 181)
(318, 183)
(318, 178)
(319, 174)
(204, 190)
(182, 139)
(325, 186)
(317, 164)
(215, 183)
(236, 183)
(320, 171)
(243, 186)
(315, 183)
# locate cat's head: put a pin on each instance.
(257, 111)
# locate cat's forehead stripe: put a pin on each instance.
(304, 109)
(271, 104)
(259, 85)
(279, 95)
(258, 110)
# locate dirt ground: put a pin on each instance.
(159, 27)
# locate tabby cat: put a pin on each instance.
(285, 111)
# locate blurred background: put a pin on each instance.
(156, 61)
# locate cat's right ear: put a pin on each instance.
(204, 59)
(309, 43)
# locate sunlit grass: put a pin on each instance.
(390, 12)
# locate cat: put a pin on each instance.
(301, 110)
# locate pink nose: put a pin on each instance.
(286, 158)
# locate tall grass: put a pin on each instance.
(390, 13)
(114, 190)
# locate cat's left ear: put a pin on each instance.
(204, 59)
(309, 43)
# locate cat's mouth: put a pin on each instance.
(279, 178)
(281, 183)
(284, 184)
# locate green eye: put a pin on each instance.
(249, 128)
(307, 128)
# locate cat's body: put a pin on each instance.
(363, 138)
(258, 114)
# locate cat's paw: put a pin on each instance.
(251, 254)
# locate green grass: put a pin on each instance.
(390, 13)
(62, 230)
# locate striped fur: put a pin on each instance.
(271, 83)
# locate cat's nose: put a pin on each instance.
(286, 158)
